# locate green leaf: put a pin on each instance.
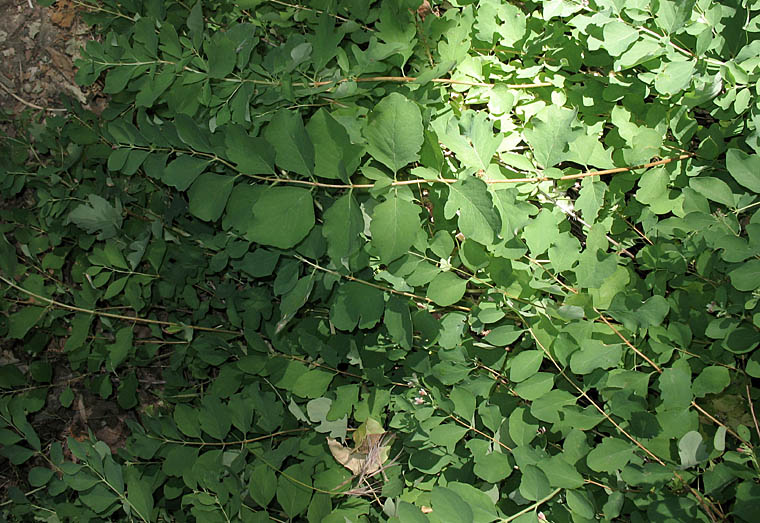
(714, 189)
(282, 217)
(98, 215)
(183, 171)
(471, 138)
(618, 37)
(39, 476)
(534, 484)
(675, 386)
(691, 449)
(20, 322)
(394, 132)
(446, 501)
(7, 256)
(252, 155)
(591, 198)
(594, 355)
(221, 55)
(550, 134)
(119, 350)
(263, 484)
(711, 380)
(560, 473)
(610, 455)
(356, 304)
(140, 494)
(674, 77)
(343, 225)
(579, 504)
(99, 498)
(394, 227)
(334, 154)
(746, 277)
(525, 365)
(294, 150)
(209, 194)
(398, 321)
(446, 289)
(325, 41)
(294, 490)
(214, 418)
(478, 219)
(744, 168)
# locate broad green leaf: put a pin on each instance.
(119, 350)
(394, 227)
(325, 41)
(525, 365)
(209, 194)
(20, 322)
(578, 503)
(674, 77)
(214, 417)
(282, 217)
(263, 484)
(534, 484)
(535, 386)
(97, 215)
(334, 154)
(471, 138)
(714, 189)
(313, 383)
(591, 198)
(447, 435)
(550, 134)
(294, 150)
(482, 505)
(140, 494)
(252, 155)
(446, 289)
(398, 321)
(618, 37)
(471, 202)
(522, 426)
(343, 225)
(99, 498)
(356, 304)
(711, 380)
(221, 55)
(183, 171)
(744, 168)
(394, 132)
(675, 386)
(691, 449)
(594, 355)
(610, 455)
(560, 473)
(294, 490)
(504, 335)
(746, 277)
(446, 501)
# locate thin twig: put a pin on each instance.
(30, 104)
(534, 506)
(752, 410)
(115, 316)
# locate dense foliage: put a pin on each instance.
(469, 261)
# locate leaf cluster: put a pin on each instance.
(512, 251)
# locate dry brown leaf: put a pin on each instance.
(349, 458)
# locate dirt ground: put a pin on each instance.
(38, 46)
